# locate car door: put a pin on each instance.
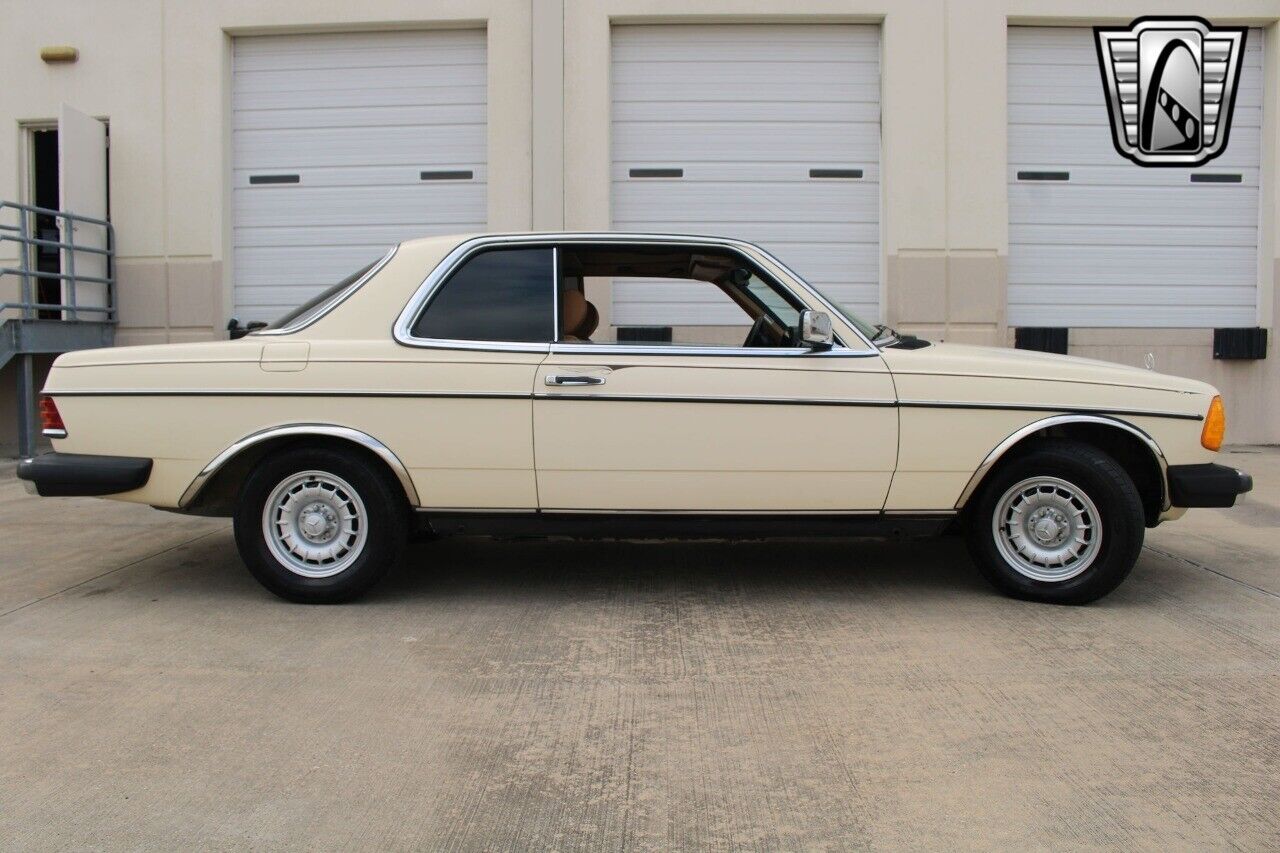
(703, 423)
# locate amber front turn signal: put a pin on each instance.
(1215, 425)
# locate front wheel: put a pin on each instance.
(318, 526)
(1062, 523)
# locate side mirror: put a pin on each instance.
(815, 329)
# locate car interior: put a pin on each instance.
(766, 315)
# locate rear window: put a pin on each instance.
(497, 295)
(321, 302)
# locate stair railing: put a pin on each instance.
(68, 306)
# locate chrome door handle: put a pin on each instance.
(561, 379)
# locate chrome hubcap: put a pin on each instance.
(315, 524)
(1047, 529)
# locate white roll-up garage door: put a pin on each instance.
(344, 144)
(768, 133)
(1095, 240)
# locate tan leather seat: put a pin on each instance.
(579, 317)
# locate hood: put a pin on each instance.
(1006, 363)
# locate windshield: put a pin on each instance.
(321, 302)
(869, 331)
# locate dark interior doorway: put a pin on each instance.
(44, 193)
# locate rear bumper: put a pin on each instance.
(68, 474)
(1206, 485)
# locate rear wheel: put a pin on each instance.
(1061, 523)
(318, 526)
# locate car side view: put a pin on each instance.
(470, 384)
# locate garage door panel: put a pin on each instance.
(755, 172)
(368, 176)
(770, 91)
(1088, 115)
(248, 102)
(1040, 204)
(1117, 244)
(1093, 146)
(360, 116)
(695, 141)
(1180, 264)
(301, 206)
(276, 57)
(1083, 93)
(311, 79)
(642, 80)
(1113, 176)
(1066, 69)
(323, 44)
(754, 112)
(746, 111)
(1208, 236)
(731, 44)
(786, 236)
(296, 237)
(357, 146)
(1141, 312)
(356, 117)
(1107, 293)
(728, 202)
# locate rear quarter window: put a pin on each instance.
(496, 295)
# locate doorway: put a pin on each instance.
(48, 187)
(44, 192)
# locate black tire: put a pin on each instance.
(1102, 481)
(379, 536)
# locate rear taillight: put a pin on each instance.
(50, 420)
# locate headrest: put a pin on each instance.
(573, 311)
(589, 324)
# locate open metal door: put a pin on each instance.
(82, 187)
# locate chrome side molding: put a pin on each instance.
(1057, 420)
(330, 430)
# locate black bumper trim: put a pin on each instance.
(1206, 485)
(72, 474)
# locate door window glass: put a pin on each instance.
(685, 295)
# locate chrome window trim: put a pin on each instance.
(555, 293)
(584, 348)
(343, 297)
(362, 438)
(401, 330)
(1035, 426)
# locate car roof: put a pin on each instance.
(457, 239)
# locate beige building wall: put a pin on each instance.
(159, 71)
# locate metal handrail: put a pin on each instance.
(21, 235)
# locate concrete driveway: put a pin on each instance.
(530, 695)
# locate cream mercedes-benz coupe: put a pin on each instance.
(470, 384)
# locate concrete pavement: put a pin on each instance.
(534, 695)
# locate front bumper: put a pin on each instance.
(69, 474)
(1206, 485)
